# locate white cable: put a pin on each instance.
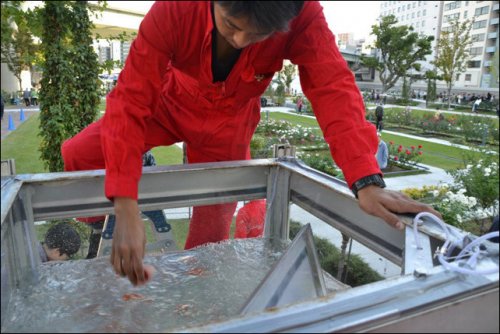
(450, 244)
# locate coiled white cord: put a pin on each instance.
(454, 239)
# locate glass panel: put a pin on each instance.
(363, 265)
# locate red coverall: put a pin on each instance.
(250, 220)
(166, 94)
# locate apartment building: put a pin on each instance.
(484, 35)
(423, 16)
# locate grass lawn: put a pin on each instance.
(22, 146)
(436, 155)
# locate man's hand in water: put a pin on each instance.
(129, 241)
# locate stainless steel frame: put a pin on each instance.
(419, 300)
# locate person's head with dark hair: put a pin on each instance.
(61, 242)
(243, 23)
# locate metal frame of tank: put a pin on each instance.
(426, 297)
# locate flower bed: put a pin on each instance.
(471, 202)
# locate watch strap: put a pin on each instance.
(375, 179)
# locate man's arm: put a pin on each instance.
(338, 105)
(128, 107)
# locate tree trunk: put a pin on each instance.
(449, 95)
(20, 83)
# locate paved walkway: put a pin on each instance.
(464, 113)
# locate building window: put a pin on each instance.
(477, 38)
(476, 51)
(407, 16)
(413, 15)
(423, 12)
(451, 17)
(457, 77)
(479, 24)
(452, 5)
(465, 14)
(418, 14)
(474, 64)
(423, 23)
(468, 77)
(408, 6)
(414, 4)
(482, 11)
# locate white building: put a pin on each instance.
(484, 35)
(423, 16)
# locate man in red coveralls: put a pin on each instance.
(195, 74)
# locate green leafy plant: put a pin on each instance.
(69, 94)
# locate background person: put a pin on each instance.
(27, 97)
(379, 116)
(61, 242)
(382, 153)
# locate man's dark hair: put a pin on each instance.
(266, 16)
(64, 237)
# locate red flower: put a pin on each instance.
(391, 143)
(419, 146)
(413, 147)
(400, 149)
(408, 152)
(396, 158)
(419, 152)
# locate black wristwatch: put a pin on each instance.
(375, 179)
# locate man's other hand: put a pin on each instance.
(385, 204)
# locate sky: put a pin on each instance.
(351, 16)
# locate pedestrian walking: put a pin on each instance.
(379, 114)
(27, 97)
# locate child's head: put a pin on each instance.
(61, 241)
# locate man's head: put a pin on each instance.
(61, 241)
(242, 23)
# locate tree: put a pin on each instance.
(400, 50)
(453, 52)
(288, 74)
(69, 93)
(18, 48)
(494, 69)
(86, 96)
(431, 77)
(279, 81)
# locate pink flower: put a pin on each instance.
(396, 158)
(408, 152)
